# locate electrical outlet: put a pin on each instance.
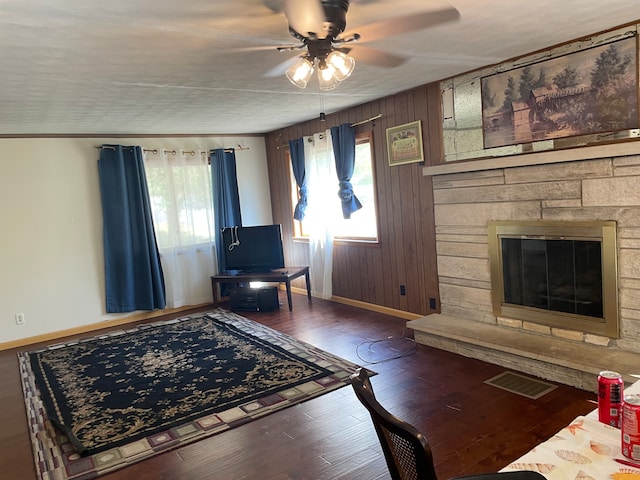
(403, 290)
(19, 318)
(432, 303)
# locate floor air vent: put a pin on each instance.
(521, 385)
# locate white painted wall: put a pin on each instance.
(51, 256)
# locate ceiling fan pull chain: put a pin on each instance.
(322, 115)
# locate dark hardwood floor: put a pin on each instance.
(472, 427)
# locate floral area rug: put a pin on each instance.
(99, 404)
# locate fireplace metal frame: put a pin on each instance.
(602, 231)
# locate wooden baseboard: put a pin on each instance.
(136, 317)
(376, 308)
(366, 306)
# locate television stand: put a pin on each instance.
(282, 275)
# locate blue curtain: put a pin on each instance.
(344, 151)
(134, 278)
(296, 151)
(226, 200)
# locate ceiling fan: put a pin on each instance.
(319, 26)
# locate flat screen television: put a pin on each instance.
(253, 249)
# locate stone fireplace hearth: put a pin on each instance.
(584, 189)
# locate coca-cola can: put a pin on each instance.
(631, 427)
(610, 395)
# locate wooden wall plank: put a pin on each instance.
(405, 253)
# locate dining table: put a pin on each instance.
(586, 449)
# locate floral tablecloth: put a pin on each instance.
(583, 450)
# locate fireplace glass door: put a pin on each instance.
(561, 274)
(558, 275)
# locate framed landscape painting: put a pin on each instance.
(590, 91)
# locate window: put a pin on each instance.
(363, 224)
(180, 195)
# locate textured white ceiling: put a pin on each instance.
(181, 67)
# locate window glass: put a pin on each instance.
(180, 197)
(363, 224)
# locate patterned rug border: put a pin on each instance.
(55, 458)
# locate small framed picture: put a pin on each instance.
(404, 143)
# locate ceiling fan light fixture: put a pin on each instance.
(327, 77)
(342, 63)
(300, 72)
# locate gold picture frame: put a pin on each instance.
(404, 143)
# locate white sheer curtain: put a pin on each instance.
(323, 206)
(180, 192)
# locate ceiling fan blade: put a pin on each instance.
(373, 56)
(274, 5)
(279, 69)
(408, 23)
(262, 48)
(305, 16)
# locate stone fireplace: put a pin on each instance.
(592, 185)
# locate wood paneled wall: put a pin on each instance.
(406, 253)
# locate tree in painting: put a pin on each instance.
(526, 82)
(488, 99)
(609, 67)
(510, 94)
(613, 82)
(567, 78)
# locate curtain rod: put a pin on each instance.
(367, 120)
(175, 152)
(353, 125)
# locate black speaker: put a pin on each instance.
(254, 299)
(268, 298)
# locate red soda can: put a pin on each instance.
(631, 427)
(610, 394)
